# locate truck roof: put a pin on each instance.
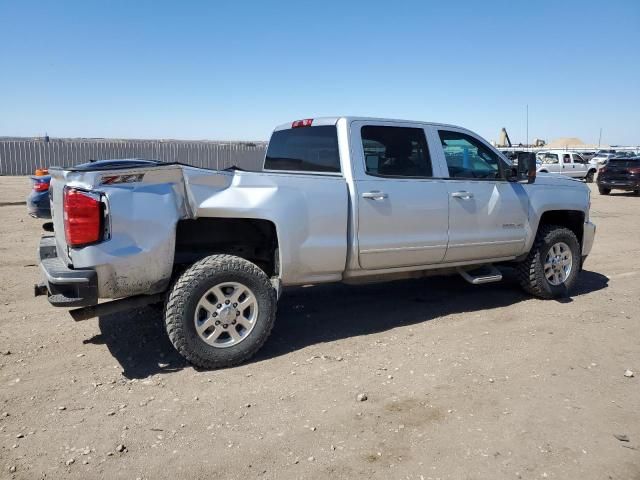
(333, 120)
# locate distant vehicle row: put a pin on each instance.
(615, 170)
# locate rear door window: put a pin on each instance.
(304, 149)
(549, 158)
(396, 151)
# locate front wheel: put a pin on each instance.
(590, 176)
(551, 268)
(220, 311)
(604, 191)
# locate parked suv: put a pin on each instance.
(341, 199)
(620, 174)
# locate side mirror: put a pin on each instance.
(526, 169)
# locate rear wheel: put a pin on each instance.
(604, 191)
(637, 192)
(220, 311)
(552, 266)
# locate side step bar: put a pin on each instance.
(115, 306)
(480, 275)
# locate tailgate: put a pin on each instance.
(56, 192)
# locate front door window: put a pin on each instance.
(467, 157)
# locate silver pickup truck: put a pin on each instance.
(340, 199)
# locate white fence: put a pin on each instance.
(22, 157)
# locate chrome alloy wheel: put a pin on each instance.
(558, 264)
(226, 314)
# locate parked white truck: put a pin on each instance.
(339, 200)
(568, 163)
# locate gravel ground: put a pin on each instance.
(461, 381)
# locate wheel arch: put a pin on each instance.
(571, 219)
(255, 240)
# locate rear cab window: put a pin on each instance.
(304, 149)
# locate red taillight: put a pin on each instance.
(602, 170)
(82, 217)
(41, 186)
(635, 170)
(302, 123)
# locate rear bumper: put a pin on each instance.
(39, 212)
(64, 286)
(626, 184)
(38, 205)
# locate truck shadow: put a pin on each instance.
(323, 313)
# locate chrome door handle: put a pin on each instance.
(463, 195)
(375, 195)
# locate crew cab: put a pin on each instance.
(342, 199)
(568, 163)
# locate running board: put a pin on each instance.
(480, 275)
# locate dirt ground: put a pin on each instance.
(463, 382)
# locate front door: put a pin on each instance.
(403, 212)
(568, 167)
(487, 214)
(580, 166)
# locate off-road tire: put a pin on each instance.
(531, 271)
(604, 191)
(191, 286)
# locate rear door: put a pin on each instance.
(550, 162)
(487, 214)
(402, 210)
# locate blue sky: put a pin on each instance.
(234, 70)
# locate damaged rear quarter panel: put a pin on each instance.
(309, 213)
(138, 256)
